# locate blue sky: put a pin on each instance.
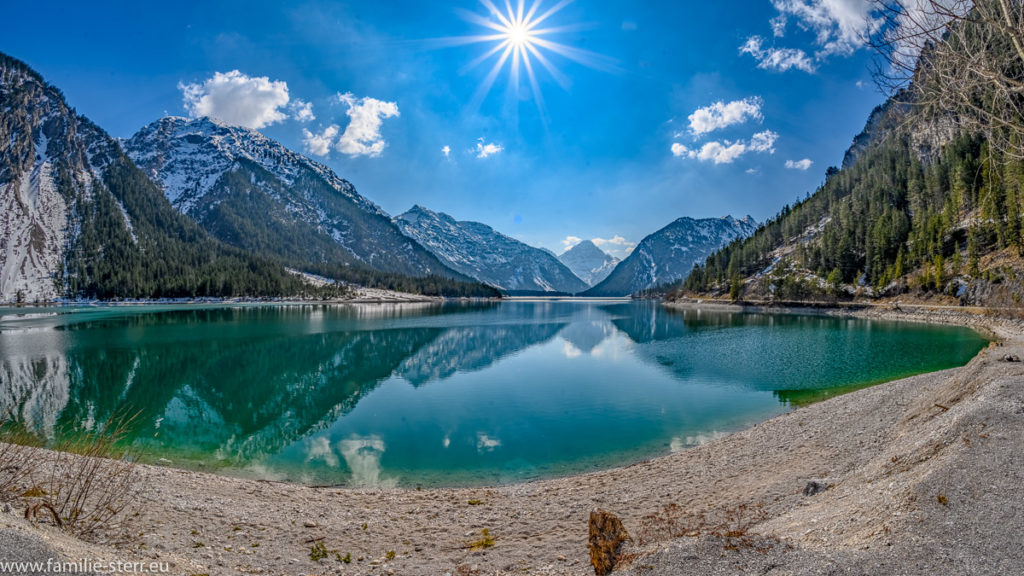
(628, 139)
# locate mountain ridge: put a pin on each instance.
(481, 252)
(252, 192)
(670, 253)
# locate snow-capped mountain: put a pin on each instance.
(671, 253)
(252, 192)
(477, 250)
(78, 218)
(588, 262)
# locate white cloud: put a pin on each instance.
(722, 114)
(776, 59)
(253, 102)
(616, 245)
(301, 110)
(779, 25)
(571, 241)
(918, 22)
(362, 136)
(839, 26)
(763, 142)
(799, 164)
(446, 150)
(721, 153)
(727, 152)
(485, 149)
(319, 144)
(753, 171)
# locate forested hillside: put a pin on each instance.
(927, 204)
(80, 220)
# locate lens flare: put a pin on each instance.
(519, 40)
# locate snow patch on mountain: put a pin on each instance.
(188, 156)
(32, 233)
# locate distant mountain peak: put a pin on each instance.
(586, 246)
(589, 262)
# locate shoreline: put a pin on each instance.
(204, 523)
(983, 320)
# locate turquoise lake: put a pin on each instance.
(437, 394)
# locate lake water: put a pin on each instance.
(430, 394)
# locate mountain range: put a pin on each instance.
(670, 254)
(79, 219)
(478, 251)
(251, 192)
(197, 207)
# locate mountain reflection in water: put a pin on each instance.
(436, 393)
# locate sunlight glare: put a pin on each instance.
(517, 40)
(519, 35)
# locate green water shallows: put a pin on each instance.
(431, 394)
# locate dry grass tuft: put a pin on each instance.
(85, 484)
(16, 457)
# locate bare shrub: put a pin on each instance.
(86, 484)
(972, 56)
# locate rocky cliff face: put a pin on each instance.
(46, 175)
(252, 192)
(671, 253)
(478, 251)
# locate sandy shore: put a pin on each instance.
(922, 476)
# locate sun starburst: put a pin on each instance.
(519, 40)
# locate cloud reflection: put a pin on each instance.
(570, 351)
(485, 443)
(362, 455)
(319, 448)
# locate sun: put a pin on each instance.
(518, 39)
(519, 35)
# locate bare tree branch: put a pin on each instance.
(957, 59)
